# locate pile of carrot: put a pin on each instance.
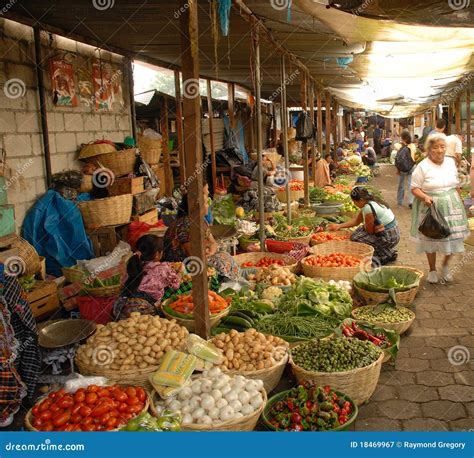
(185, 304)
(332, 260)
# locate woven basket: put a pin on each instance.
(151, 156)
(96, 149)
(360, 250)
(131, 377)
(241, 424)
(313, 242)
(359, 384)
(290, 263)
(110, 211)
(270, 377)
(304, 240)
(28, 254)
(214, 320)
(104, 291)
(86, 185)
(120, 162)
(403, 298)
(329, 273)
(400, 327)
(72, 274)
(29, 415)
(294, 195)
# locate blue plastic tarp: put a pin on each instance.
(54, 226)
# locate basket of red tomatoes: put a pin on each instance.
(93, 408)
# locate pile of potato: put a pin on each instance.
(139, 342)
(274, 275)
(250, 350)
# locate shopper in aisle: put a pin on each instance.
(323, 174)
(405, 163)
(435, 182)
(369, 157)
(379, 226)
(454, 147)
(370, 135)
(377, 139)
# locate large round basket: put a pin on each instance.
(104, 291)
(294, 195)
(282, 395)
(110, 211)
(247, 423)
(360, 250)
(29, 415)
(214, 320)
(313, 242)
(150, 149)
(96, 149)
(329, 273)
(86, 185)
(359, 384)
(403, 298)
(304, 240)
(121, 162)
(129, 377)
(72, 274)
(399, 327)
(30, 257)
(289, 262)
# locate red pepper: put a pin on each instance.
(297, 427)
(337, 409)
(347, 331)
(374, 340)
(342, 419)
(355, 327)
(327, 389)
(309, 405)
(290, 405)
(296, 417)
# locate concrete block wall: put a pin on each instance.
(69, 127)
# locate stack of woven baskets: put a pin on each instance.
(150, 149)
(111, 211)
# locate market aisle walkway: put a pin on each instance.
(431, 386)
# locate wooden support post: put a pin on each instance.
(458, 115)
(231, 103)
(313, 142)
(179, 127)
(304, 98)
(433, 116)
(258, 111)
(284, 131)
(166, 154)
(328, 122)
(211, 133)
(250, 126)
(193, 156)
(468, 121)
(275, 134)
(320, 121)
(450, 117)
(133, 114)
(334, 128)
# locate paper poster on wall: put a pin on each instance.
(64, 87)
(84, 78)
(107, 83)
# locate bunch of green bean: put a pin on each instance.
(303, 327)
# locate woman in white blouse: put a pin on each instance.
(435, 181)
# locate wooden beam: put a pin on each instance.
(450, 117)
(284, 131)
(131, 85)
(313, 142)
(319, 121)
(457, 115)
(255, 37)
(166, 154)
(231, 104)
(193, 157)
(468, 121)
(211, 133)
(304, 106)
(328, 122)
(179, 127)
(334, 127)
(274, 132)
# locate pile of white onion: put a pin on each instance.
(215, 397)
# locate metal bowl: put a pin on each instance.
(223, 231)
(325, 209)
(62, 333)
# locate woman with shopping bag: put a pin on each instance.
(435, 182)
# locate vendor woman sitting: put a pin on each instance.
(147, 279)
(177, 241)
(379, 229)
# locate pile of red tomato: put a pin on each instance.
(95, 408)
(264, 262)
(333, 260)
(322, 237)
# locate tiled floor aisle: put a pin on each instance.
(426, 390)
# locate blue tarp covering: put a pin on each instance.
(55, 228)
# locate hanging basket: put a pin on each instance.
(111, 211)
(29, 255)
